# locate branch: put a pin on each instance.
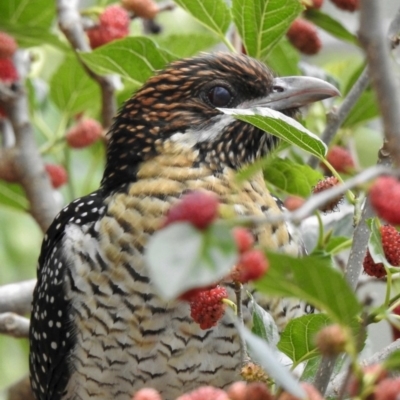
(70, 23)
(337, 116)
(381, 72)
(26, 162)
(17, 297)
(335, 386)
(14, 325)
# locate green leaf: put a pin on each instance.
(311, 369)
(27, 14)
(282, 126)
(365, 109)
(180, 257)
(266, 357)
(337, 244)
(291, 177)
(392, 363)
(375, 242)
(262, 23)
(297, 340)
(330, 25)
(12, 195)
(313, 280)
(133, 58)
(284, 59)
(71, 89)
(186, 45)
(264, 325)
(214, 14)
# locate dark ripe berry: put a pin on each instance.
(142, 8)
(304, 36)
(293, 202)
(207, 308)
(58, 175)
(8, 72)
(8, 45)
(205, 393)
(84, 133)
(391, 247)
(384, 195)
(340, 159)
(331, 340)
(326, 184)
(348, 5)
(252, 265)
(200, 208)
(395, 330)
(244, 239)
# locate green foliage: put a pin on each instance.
(262, 23)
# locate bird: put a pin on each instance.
(99, 329)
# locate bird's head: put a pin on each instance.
(179, 107)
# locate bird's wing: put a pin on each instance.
(51, 335)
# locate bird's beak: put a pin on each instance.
(296, 91)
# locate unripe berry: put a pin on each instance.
(200, 208)
(293, 202)
(205, 393)
(147, 394)
(57, 174)
(142, 8)
(311, 391)
(84, 133)
(237, 391)
(384, 195)
(331, 340)
(340, 159)
(374, 373)
(304, 36)
(8, 72)
(387, 389)
(113, 24)
(8, 45)
(244, 239)
(252, 265)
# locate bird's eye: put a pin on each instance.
(219, 96)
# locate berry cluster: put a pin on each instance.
(8, 72)
(113, 24)
(384, 195)
(304, 35)
(326, 184)
(84, 133)
(200, 208)
(391, 248)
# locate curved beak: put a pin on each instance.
(296, 91)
